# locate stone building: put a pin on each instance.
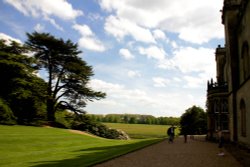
(228, 98)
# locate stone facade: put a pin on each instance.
(228, 98)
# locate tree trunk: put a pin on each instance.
(51, 110)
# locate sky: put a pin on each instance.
(150, 57)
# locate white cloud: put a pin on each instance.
(174, 44)
(91, 44)
(119, 28)
(133, 74)
(53, 22)
(118, 94)
(46, 9)
(194, 82)
(176, 79)
(167, 64)
(137, 101)
(84, 30)
(8, 38)
(159, 34)
(95, 16)
(194, 21)
(126, 54)
(88, 39)
(117, 91)
(59, 8)
(196, 65)
(105, 86)
(39, 28)
(153, 52)
(160, 82)
(189, 59)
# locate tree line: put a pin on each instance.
(135, 119)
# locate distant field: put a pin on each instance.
(23, 146)
(142, 131)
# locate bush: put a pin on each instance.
(64, 118)
(6, 115)
(84, 123)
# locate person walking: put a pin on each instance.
(170, 133)
(185, 137)
(221, 142)
(184, 132)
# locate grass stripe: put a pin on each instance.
(23, 146)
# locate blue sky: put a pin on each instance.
(150, 56)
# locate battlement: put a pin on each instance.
(230, 5)
(216, 87)
(231, 2)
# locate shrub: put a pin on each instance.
(64, 118)
(84, 123)
(6, 115)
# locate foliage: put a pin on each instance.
(29, 96)
(22, 90)
(68, 74)
(6, 115)
(65, 118)
(194, 121)
(59, 147)
(85, 123)
(135, 119)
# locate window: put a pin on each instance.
(224, 104)
(245, 60)
(224, 122)
(221, 120)
(243, 118)
(216, 106)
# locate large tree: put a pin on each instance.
(194, 121)
(21, 89)
(68, 74)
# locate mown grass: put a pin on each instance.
(22, 146)
(142, 131)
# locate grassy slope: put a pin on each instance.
(142, 131)
(22, 146)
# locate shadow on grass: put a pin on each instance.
(92, 156)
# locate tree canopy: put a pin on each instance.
(193, 121)
(21, 90)
(68, 74)
(25, 96)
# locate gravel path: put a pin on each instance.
(195, 153)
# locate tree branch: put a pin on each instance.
(57, 87)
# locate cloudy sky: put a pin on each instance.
(149, 56)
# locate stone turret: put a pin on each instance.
(230, 14)
(220, 56)
(230, 19)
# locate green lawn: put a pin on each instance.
(142, 131)
(22, 146)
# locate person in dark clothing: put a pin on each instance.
(221, 142)
(184, 131)
(185, 137)
(171, 133)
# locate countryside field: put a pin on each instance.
(22, 146)
(142, 131)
